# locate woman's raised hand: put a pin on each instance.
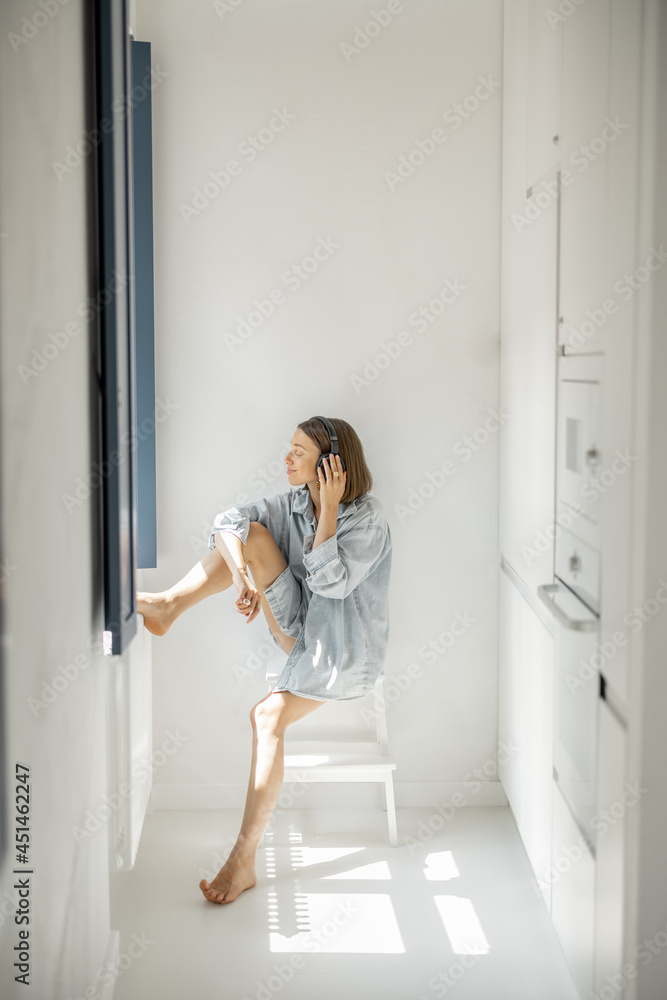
(332, 482)
(247, 602)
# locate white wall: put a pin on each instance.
(51, 562)
(324, 177)
(646, 909)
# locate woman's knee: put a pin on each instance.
(266, 717)
(258, 540)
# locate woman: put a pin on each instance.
(320, 560)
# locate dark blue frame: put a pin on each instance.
(142, 171)
(116, 258)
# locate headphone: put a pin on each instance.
(333, 440)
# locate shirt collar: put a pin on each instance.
(303, 503)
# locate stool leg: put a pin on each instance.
(383, 797)
(391, 811)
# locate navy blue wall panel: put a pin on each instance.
(144, 306)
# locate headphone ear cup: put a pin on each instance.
(320, 461)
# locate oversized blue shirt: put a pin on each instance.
(332, 599)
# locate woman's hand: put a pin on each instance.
(248, 601)
(332, 486)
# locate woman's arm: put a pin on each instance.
(332, 482)
(230, 547)
(229, 534)
(326, 526)
(340, 563)
(337, 563)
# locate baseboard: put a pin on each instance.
(339, 794)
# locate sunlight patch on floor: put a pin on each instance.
(320, 855)
(440, 866)
(345, 923)
(462, 925)
(376, 870)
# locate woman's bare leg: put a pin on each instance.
(212, 575)
(266, 563)
(209, 576)
(270, 718)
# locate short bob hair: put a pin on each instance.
(359, 478)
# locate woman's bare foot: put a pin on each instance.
(234, 876)
(157, 610)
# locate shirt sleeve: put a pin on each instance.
(270, 511)
(341, 562)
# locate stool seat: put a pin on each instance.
(327, 755)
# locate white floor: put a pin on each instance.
(337, 913)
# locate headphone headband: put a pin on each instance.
(333, 437)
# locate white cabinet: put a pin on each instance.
(531, 99)
(129, 748)
(592, 256)
(587, 137)
(543, 92)
(525, 716)
(573, 894)
(528, 319)
(613, 802)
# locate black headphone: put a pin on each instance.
(333, 440)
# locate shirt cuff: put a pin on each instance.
(314, 559)
(240, 532)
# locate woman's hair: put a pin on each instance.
(359, 478)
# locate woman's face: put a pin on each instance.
(301, 460)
